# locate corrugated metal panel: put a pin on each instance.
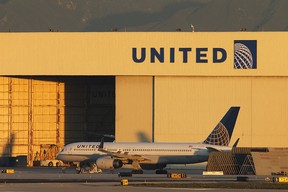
(19, 112)
(44, 104)
(5, 110)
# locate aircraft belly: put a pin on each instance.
(177, 159)
(77, 158)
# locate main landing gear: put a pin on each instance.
(137, 171)
(88, 168)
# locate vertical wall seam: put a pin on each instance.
(30, 123)
(10, 133)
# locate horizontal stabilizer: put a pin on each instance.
(236, 143)
(212, 149)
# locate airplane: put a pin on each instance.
(152, 156)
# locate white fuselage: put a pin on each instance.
(152, 153)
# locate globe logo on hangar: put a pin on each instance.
(245, 54)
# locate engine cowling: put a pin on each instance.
(108, 163)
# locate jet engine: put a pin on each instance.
(108, 163)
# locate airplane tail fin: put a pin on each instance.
(222, 133)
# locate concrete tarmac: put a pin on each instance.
(66, 180)
(107, 187)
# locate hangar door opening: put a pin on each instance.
(53, 111)
(89, 108)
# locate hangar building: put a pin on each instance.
(58, 88)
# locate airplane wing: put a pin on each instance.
(122, 155)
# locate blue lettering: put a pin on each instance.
(215, 55)
(185, 53)
(200, 55)
(156, 54)
(218, 55)
(172, 55)
(143, 55)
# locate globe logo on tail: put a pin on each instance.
(219, 136)
(245, 54)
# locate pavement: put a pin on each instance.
(65, 179)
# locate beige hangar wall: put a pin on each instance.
(112, 53)
(188, 108)
(133, 108)
(189, 98)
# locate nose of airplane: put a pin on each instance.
(59, 155)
